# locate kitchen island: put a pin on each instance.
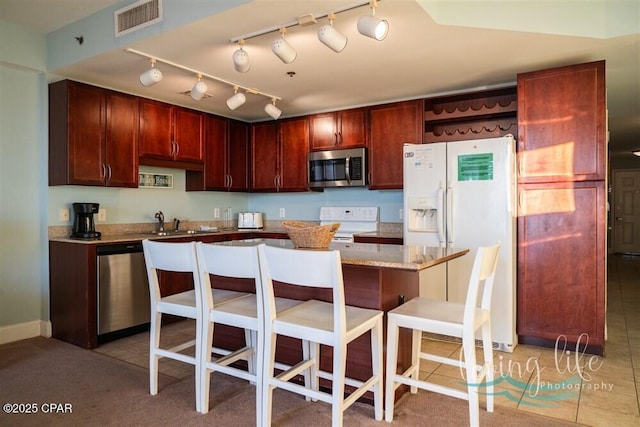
(377, 276)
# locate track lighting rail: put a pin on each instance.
(196, 73)
(301, 22)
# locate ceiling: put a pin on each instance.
(433, 47)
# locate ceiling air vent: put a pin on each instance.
(137, 15)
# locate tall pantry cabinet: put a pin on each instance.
(562, 137)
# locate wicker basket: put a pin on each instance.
(305, 235)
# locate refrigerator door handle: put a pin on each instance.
(450, 235)
(441, 235)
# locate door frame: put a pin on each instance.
(612, 207)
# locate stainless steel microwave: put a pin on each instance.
(337, 168)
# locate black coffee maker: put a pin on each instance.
(83, 226)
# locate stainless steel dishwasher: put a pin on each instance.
(123, 291)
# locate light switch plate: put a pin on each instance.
(102, 214)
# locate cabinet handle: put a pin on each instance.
(109, 170)
(177, 149)
(103, 173)
(340, 139)
(335, 138)
(519, 161)
(520, 201)
(230, 181)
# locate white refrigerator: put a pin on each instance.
(462, 194)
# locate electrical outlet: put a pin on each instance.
(216, 212)
(282, 213)
(102, 214)
(401, 213)
(63, 215)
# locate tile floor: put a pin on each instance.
(607, 393)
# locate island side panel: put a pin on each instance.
(72, 287)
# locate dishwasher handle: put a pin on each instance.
(119, 248)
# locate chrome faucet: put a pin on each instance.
(160, 216)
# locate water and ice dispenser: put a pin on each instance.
(423, 214)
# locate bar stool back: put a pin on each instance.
(244, 312)
(317, 322)
(451, 319)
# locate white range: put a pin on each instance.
(359, 219)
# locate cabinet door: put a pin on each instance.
(562, 124)
(391, 126)
(187, 135)
(323, 134)
(352, 128)
(561, 261)
(264, 156)
(294, 140)
(155, 130)
(121, 140)
(238, 156)
(86, 134)
(215, 137)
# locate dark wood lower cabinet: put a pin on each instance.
(561, 264)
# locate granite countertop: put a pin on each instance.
(119, 233)
(405, 257)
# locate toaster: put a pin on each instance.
(250, 220)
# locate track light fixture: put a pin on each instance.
(371, 26)
(199, 89)
(241, 59)
(331, 37)
(236, 100)
(152, 75)
(283, 49)
(272, 110)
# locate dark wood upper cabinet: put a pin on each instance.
(562, 124)
(226, 155)
(390, 127)
(294, 146)
(170, 136)
(122, 139)
(238, 156)
(264, 156)
(93, 136)
(279, 155)
(338, 129)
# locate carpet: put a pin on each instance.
(65, 385)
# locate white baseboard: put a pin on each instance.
(25, 330)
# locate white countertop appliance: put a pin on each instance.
(462, 195)
(360, 219)
(250, 220)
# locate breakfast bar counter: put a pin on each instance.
(404, 257)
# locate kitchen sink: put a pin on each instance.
(181, 232)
